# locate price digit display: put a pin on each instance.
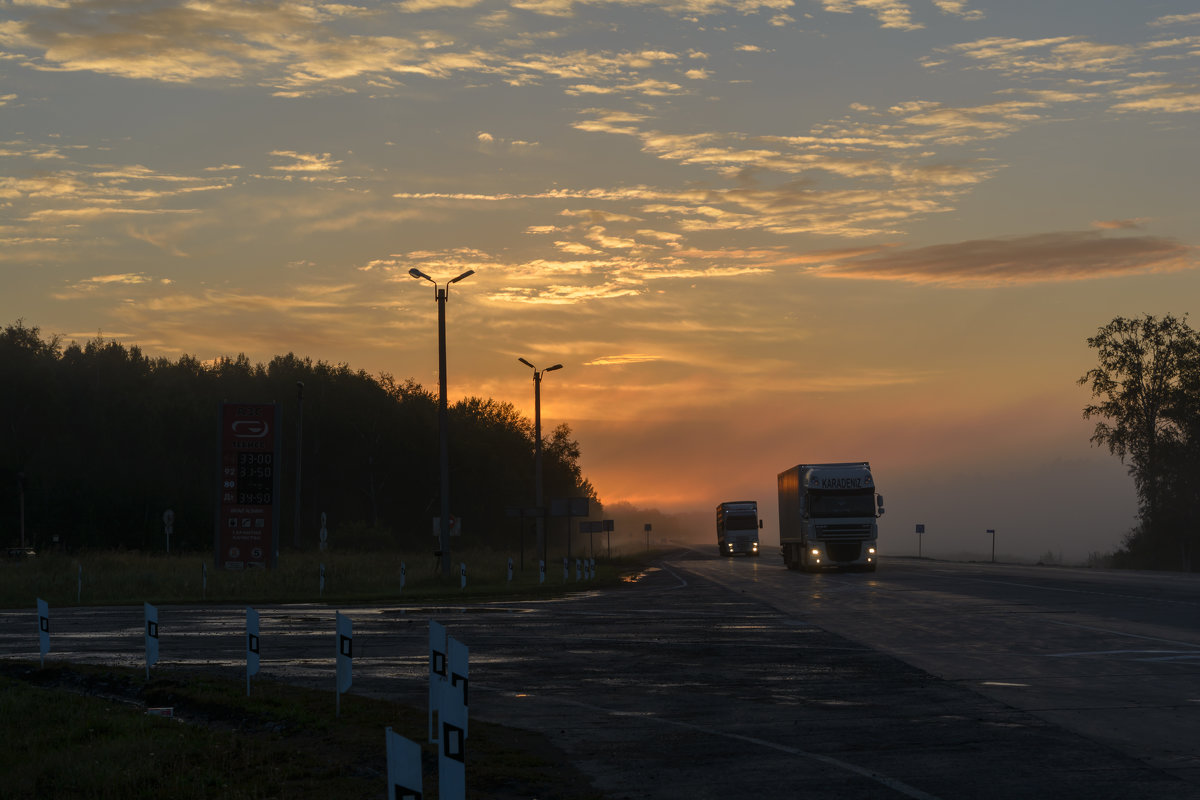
(255, 478)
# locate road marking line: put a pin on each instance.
(1123, 633)
(891, 783)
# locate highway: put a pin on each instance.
(1112, 655)
(714, 678)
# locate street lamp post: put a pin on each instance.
(992, 531)
(440, 294)
(537, 453)
(21, 493)
(299, 449)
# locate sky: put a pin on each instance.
(756, 233)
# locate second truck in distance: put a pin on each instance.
(737, 528)
(827, 516)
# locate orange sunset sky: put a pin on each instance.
(756, 233)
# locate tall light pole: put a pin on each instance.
(21, 492)
(537, 453)
(299, 450)
(440, 294)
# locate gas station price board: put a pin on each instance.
(248, 499)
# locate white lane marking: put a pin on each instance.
(1195, 647)
(1141, 655)
(891, 783)
(1106, 595)
(682, 582)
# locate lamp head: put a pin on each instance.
(466, 274)
(416, 273)
(526, 363)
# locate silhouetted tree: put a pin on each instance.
(106, 439)
(1147, 382)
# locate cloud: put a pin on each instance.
(1019, 261)
(1164, 98)
(1177, 19)
(787, 208)
(560, 295)
(622, 359)
(104, 280)
(1119, 224)
(890, 13)
(958, 8)
(578, 249)
(417, 6)
(307, 48)
(563, 8)
(490, 144)
(305, 162)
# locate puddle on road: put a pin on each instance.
(640, 576)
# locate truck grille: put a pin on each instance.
(843, 551)
(844, 533)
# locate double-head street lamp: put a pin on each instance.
(537, 452)
(443, 441)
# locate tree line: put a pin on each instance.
(98, 440)
(1146, 395)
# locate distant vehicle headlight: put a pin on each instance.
(816, 552)
(871, 550)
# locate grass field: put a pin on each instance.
(78, 731)
(83, 732)
(123, 578)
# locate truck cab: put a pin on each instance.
(737, 528)
(827, 517)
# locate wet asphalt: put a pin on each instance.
(671, 686)
(679, 688)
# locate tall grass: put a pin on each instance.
(121, 578)
(284, 742)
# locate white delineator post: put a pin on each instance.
(251, 646)
(437, 676)
(452, 745)
(151, 614)
(43, 609)
(403, 767)
(345, 656)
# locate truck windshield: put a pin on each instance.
(741, 523)
(841, 504)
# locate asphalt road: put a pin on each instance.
(714, 678)
(1112, 655)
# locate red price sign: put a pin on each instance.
(248, 505)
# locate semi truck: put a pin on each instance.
(737, 528)
(827, 516)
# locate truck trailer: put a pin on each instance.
(737, 528)
(827, 516)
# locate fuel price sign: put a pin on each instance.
(248, 504)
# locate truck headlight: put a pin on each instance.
(816, 552)
(871, 550)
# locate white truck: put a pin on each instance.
(827, 516)
(737, 528)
